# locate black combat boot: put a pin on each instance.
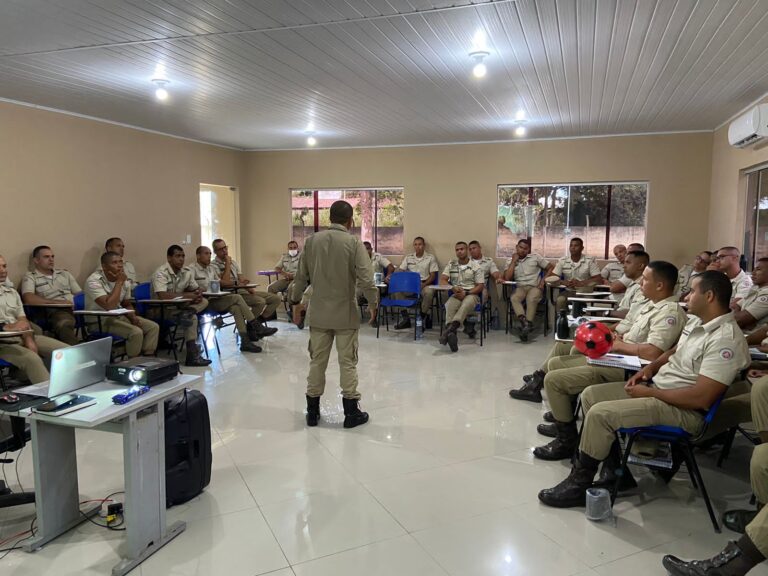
(353, 416)
(549, 417)
(531, 390)
(563, 446)
(736, 559)
(257, 329)
(313, 411)
(247, 344)
(404, 322)
(194, 358)
(572, 491)
(525, 328)
(612, 468)
(549, 429)
(737, 520)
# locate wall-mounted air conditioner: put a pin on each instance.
(749, 128)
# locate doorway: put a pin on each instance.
(219, 217)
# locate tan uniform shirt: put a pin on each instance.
(204, 275)
(424, 265)
(584, 269)
(11, 307)
(287, 263)
(60, 286)
(488, 265)
(335, 262)
(741, 285)
(234, 268)
(166, 280)
(96, 286)
(380, 263)
(632, 295)
(612, 271)
(717, 350)
(465, 275)
(684, 276)
(756, 303)
(527, 270)
(659, 324)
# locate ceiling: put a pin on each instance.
(254, 74)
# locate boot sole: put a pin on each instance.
(353, 424)
(572, 503)
(551, 457)
(527, 398)
(545, 431)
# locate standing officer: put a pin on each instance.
(576, 270)
(677, 389)
(117, 245)
(524, 268)
(174, 280)
(109, 288)
(426, 265)
(262, 303)
(48, 285)
(25, 351)
(467, 282)
(336, 262)
(248, 327)
(286, 269)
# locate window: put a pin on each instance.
(378, 215)
(756, 229)
(603, 215)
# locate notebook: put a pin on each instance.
(616, 361)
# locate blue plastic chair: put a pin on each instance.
(676, 437)
(481, 309)
(80, 325)
(403, 282)
(3, 367)
(168, 327)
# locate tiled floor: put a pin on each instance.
(441, 481)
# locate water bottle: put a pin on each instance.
(562, 329)
(419, 328)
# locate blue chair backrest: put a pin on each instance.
(79, 301)
(143, 291)
(409, 282)
(712, 410)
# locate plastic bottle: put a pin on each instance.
(562, 329)
(419, 328)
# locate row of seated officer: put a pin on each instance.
(695, 360)
(51, 292)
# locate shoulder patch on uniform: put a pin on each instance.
(671, 320)
(762, 299)
(726, 353)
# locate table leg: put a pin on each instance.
(54, 457)
(144, 456)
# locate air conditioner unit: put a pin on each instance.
(749, 128)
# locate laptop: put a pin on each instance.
(74, 368)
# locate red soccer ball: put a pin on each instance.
(593, 339)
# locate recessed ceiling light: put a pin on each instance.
(311, 141)
(520, 115)
(480, 68)
(520, 131)
(160, 92)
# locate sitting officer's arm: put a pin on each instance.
(478, 289)
(390, 270)
(429, 279)
(744, 319)
(34, 299)
(700, 396)
(364, 277)
(756, 338)
(645, 351)
(617, 286)
(444, 280)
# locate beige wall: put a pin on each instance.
(451, 190)
(729, 188)
(71, 183)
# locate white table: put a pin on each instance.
(142, 424)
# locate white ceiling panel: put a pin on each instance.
(256, 74)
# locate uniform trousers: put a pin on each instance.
(531, 295)
(457, 310)
(141, 339)
(235, 305)
(263, 304)
(63, 325)
(559, 349)
(757, 530)
(320, 343)
(570, 375)
(280, 285)
(28, 362)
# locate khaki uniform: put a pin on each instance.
(612, 271)
(567, 269)
(61, 285)
(231, 303)
(632, 295)
(658, 324)
(141, 339)
(741, 284)
(757, 530)
(424, 266)
(166, 280)
(684, 277)
(756, 304)
(263, 304)
(526, 275)
(467, 276)
(337, 262)
(379, 264)
(288, 264)
(494, 291)
(717, 350)
(12, 350)
(129, 270)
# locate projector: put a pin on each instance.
(143, 370)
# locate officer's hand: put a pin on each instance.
(29, 343)
(243, 280)
(373, 312)
(638, 378)
(500, 280)
(134, 319)
(641, 391)
(757, 373)
(122, 278)
(297, 310)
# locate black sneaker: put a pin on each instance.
(249, 347)
(404, 322)
(427, 322)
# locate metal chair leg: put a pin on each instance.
(694, 470)
(725, 452)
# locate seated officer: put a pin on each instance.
(752, 311)
(573, 272)
(263, 304)
(614, 270)
(622, 284)
(174, 280)
(249, 328)
(467, 282)
(690, 271)
(493, 277)
(677, 389)
(727, 260)
(651, 329)
(524, 268)
(117, 245)
(24, 352)
(380, 265)
(48, 285)
(109, 288)
(634, 265)
(426, 265)
(286, 269)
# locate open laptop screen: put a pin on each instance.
(78, 366)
